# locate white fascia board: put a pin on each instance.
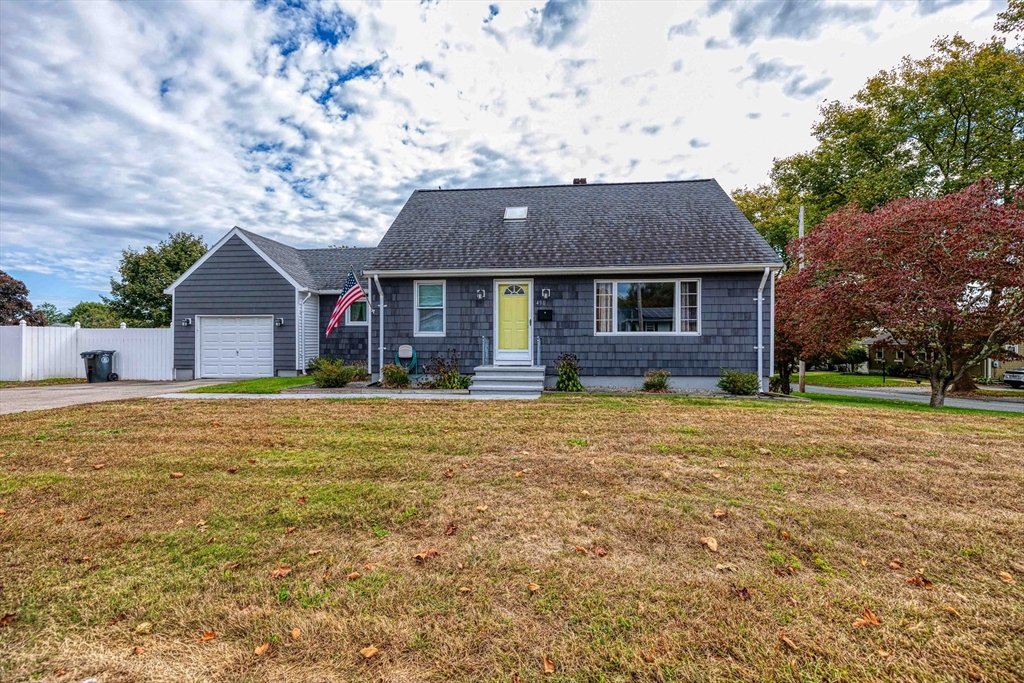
(220, 243)
(609, 270)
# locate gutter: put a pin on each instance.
(589, 270)
(760, 329)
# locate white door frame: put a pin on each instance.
(513, 357)
(197, 367)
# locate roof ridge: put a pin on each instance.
(538, 187)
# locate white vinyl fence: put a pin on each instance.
(32, 353)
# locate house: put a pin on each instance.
(627, 276)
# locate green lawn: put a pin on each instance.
(843, 379)
(266, 385)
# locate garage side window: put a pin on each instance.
(428, 317)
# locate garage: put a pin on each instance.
(236, 346)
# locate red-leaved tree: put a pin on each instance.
(944, 277)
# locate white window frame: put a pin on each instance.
(677, 321)
(879, 356)
(416, 308)
(356, 323)
(901, 356)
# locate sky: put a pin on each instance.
(312, 123)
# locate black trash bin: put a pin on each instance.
(99, 366)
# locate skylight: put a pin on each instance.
(515, 213)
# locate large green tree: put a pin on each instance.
(927, 128)
(138, 297)
(91, 314)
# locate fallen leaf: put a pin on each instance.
(481, 508)
(369, 651)
(233, 565)
(301, 500)
(290, 529)
(216, 424)
(252, 461)
(741, 593)
(451, 528)
(883, 653)
(842, 471)
(207, 635)
(143, 628)
(118, 618)
(787, 640)
(581, 549)
(465, 466)
(465, 589)
(2, 512)
(295, 633)
(138, 650)
(327, 574)
(725, 567)
(764, 451)
(920, 581)
(279, 572)
(585, 492)
(600, 551)
(867, 618)
(646, 657)
(261, 649)
(549, 665)
(60, 672)
(518, 474)
(8, 619)
(353, 576)
(864, 561)
(232, 469)
(719, 514)
(177, 475)
(425, 555)
(710, 542)
(449, 473)
(99, 466)
(82, 518)
(532, 587)
(950, 609)
(370, 566)
(59, 520)
(1006, 577)
(895, 565)
(272, 510)
(785, 535)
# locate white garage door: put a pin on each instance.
(236, 347)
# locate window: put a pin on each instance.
(901, 356)
(356, 313)
(880, 355)
(428, 318)
(651, 307)
(515, 213)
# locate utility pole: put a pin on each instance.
(800, 234)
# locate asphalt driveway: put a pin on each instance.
(919, 395)
(20, 400)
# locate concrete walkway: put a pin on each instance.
(20, 400)
(407, 395)
(916, 395)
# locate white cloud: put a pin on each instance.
(122, 122)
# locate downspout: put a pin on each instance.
(380, 369)
(760, 329)
(302, 335)
(369, 328)
(771, 328)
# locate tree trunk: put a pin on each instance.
(939, 382)
(965, 384)
(785, 370)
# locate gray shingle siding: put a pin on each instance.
(234, 281)
(728, 336)
(348, 342)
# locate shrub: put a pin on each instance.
(359, 372)
(568, 367)
(329, 373)
(444, 374)
(741, 383)
(394, 376)
(356, 369)
(656, 380)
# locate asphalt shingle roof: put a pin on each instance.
(681, 223)
(315, 269)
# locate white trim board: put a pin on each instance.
(596, 271)
(497, 323)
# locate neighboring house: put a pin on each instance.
(627, 276)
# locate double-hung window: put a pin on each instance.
(647, 307)
(428, 316)
(356, 313)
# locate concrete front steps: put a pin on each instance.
(507, 381)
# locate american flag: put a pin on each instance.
(350, 294)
